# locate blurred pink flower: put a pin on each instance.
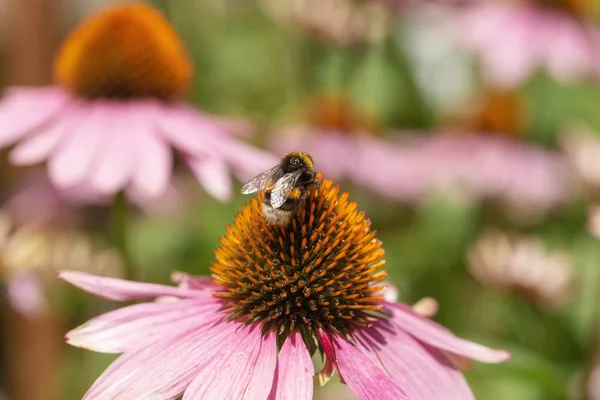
(276, 288)
(522, 265)
(185, 343)
(31, 255)
(116, 119)
(513, 39)
(495, 167)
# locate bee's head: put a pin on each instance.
(297, 160)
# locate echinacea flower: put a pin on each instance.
(116, 116)
(522, 265)
(278, 294)
(342, 136)
(513, 39)
(30, 257)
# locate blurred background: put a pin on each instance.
(468, 131)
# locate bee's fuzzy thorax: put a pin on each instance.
(320, 270)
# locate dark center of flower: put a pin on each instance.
(319, 271)
(574, 7)
(499, 113)
(129, 51)
(335, 112)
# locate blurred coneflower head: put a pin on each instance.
(116, 116)
(513, 39)
(30, 257)
(522, 265)
(278, 295)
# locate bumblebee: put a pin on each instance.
(284, 186)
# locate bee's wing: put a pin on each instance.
(283, 187)
(259, 181)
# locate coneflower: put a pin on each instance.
(278, 295)
(117, 116)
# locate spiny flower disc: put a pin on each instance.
(125, 52)
(319, 271)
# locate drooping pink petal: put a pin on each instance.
(165, 368)
(114, 164)
(422, 373)
(213, 175)
(24, 110)
(136, 326)
(183, 131)
(39, 145)
(153, 161)
(294, 373)
(231, 372)
(264, 369)
(365, 377)
(72, 158)
(122, 290)
(436, 335)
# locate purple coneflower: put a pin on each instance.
(522, 265)
(515, 38)
(343, 136)
(278, 295)
(116, 114)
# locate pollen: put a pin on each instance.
(128, 51)
(321, 270)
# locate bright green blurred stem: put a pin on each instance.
(119, 220)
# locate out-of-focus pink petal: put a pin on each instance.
(213, 175)
(136, 326)
(24, 110)
(366, 378)
(436, 335)
(122, 290)
(114, 164)
(72, 158)
(38, 146)
(153, 161)
(246, 160)
(228, 375)
(165, 368)
(294, 373)
(421, 372)
(390, 292)
(26, 294)
(184, 131)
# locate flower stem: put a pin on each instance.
(119, 231)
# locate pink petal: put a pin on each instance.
(390, 292)
(420, 372)
(114, 164)
(213, 175)
(294, 373)
(71, 160)
(165, 368)
(362, 374)
(22, 111)
(182, 128)
(231, 373)
(193, 282)
(119, 331)
(36, 148)
(122, 290)
(25, 292)
(153, 162)
(436, 335)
